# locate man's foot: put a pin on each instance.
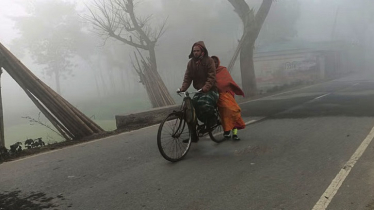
(194, 138)
(227, 134)
(235, 137)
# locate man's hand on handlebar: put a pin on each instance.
(179, 92)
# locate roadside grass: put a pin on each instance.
(101, 112)
(107, 108)
(21, 132)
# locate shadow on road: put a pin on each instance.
(16, 200)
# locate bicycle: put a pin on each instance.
(176, 130)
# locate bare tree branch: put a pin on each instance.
(38, 121)
(140, 54)
(108, 19)
(241, 8)
(129, 42)
(130, 10)
(162, 30)
(117, 19)
(138, 71)
(140, 68)
(251, 21)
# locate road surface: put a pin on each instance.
(305, 149)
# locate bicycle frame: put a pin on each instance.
(186, 94)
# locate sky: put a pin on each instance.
(8, 8)
(10, 89)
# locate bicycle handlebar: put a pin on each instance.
(186, 93)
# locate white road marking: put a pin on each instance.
(290, 91)
(250, 122)
(330, 192)
(319, 97)
(247, 123)
(322, 96)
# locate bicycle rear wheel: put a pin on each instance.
(171, 134)
(216, 134)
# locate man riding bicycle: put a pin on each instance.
(201, 71)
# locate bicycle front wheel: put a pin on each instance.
(174, 137)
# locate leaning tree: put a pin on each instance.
(117, 19)
(252, 23)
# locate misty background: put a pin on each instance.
(99, 78)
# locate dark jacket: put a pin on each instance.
(201, 71)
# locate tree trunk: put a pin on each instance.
(252, 24)
(247, 70)
(152, 58)
(156, 89)
(153, 83)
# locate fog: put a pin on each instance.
(188, 21)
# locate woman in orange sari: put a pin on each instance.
(228, 109)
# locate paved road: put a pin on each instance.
(308, 140)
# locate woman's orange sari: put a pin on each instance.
(228, 109)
